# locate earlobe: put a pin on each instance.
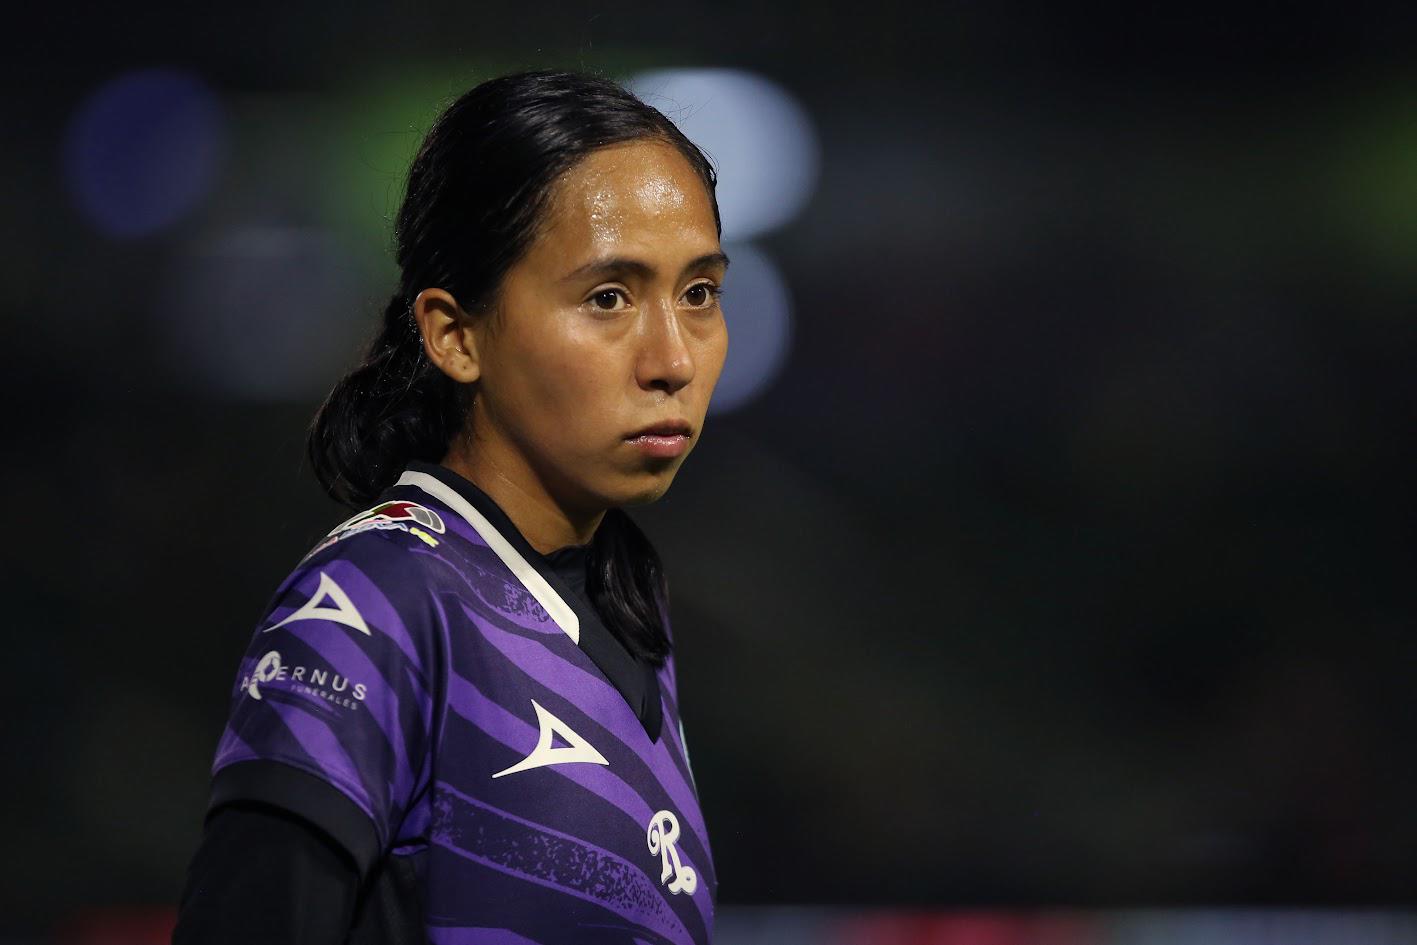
(447, 339)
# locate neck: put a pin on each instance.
(501, 473)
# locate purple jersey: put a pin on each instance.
(428, 665)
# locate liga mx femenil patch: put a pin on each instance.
(417, 520)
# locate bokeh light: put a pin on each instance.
(143, 150)
(758, 309)
(262, 313)
(761, 141)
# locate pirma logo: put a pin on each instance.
(329, 602)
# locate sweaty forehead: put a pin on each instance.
(639, 193)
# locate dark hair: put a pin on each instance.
(477, 192)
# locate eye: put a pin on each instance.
(603, 294)
(708, 293)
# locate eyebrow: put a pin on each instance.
(616, 264)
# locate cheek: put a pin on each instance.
(571, 391)
(713, 355)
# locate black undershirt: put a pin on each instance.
(635, 678)
(264, 874)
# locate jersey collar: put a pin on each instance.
(567, 608)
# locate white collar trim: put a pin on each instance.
(531, 579)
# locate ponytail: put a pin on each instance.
(395, 406)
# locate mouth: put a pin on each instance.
(664, 440)
(666, 428)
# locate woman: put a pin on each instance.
(458, 720)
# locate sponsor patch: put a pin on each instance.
(418, 520)
(316, 681)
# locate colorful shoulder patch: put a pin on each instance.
(417, 520)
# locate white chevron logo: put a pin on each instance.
(575, 749)
(340, 608)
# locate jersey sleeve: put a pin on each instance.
(332, 712)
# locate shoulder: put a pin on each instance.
(378, 569)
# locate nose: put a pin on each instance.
(665, 359)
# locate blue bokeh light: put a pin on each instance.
(143, 150)
(757, 309)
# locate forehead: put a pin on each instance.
(642, 194)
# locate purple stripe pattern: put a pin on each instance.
(406, 668)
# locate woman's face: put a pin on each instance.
(608, 324)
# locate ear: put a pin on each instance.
(448, 338)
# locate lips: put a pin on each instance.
(666, 428)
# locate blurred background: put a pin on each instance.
(1046, 573)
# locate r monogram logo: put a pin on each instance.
(663, 831)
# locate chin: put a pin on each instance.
(647, 488)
